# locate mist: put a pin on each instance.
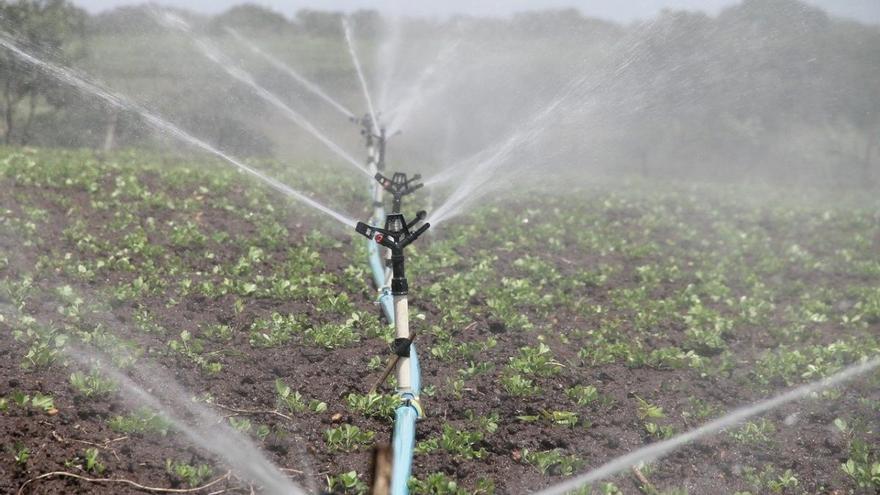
(650, 261)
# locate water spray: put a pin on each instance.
(357, 66)
(396, 236)
(214, 54)
(118, 101)
(660, 449)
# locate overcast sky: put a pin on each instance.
(618, 10)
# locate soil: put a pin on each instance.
(808, 444)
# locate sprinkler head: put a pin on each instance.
(395, 236)
(399, 186)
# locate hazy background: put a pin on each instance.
(759, 90)
(626, 11)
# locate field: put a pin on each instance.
(557, 330)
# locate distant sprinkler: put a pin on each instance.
(399, 186)
(374, 137)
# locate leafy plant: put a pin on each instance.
(373, 404)
(536, 361)
(192, 475)
(519, 386)
(552, 462)
(91, 462)
(20, 454)
(348, 483)
(754, 432)
(289, 399)
(140, 421)
(646, 410)
(274, 331)
(93, 384)
(582, 395)
(347, 438)
(457, 442)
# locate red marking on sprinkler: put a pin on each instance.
(379, 238)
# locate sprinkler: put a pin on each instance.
(399, 186)
(396, 236)
(374, 139)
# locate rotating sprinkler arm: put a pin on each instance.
(399, 186)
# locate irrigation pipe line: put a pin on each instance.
(396, 236)
(133, 484)
(660, 449)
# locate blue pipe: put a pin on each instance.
(404, 440)
(377, 266)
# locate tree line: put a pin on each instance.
(768, 88)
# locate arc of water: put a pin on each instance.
(360, 73)
(118, 101)
(214, 54)
(481, 167)
(211, 434)
(296, 76)
(660, 449)
(416, 92)
(389, 52)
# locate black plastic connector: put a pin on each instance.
(401, 346)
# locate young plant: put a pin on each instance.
(347, 483)
(582, 395)
(552, 462)
(373, 405)
(288, 399)
(140, 421)
(192, 475)
(93, 384)
(519, 386)
(458, 443)
(20, 454)
(347, 438)
(537, 361)
(91, 463)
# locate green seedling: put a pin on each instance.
(93, 384)
(347, 438)
(373, 405)
(191, 475)
(347, 483)
(288, 399)
(91, 463)
(458, 443)
(140, 421)
(552, 462)
(519, 386)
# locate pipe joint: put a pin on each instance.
(399, 287)
(401, 346)
(410, 401)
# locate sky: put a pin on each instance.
(617, 10)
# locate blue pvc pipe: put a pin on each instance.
(378, 268)
(404, 440)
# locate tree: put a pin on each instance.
(251, 17)
(44, 27)
(317, 23)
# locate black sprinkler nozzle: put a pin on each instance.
(395, 236)
(399, 186)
